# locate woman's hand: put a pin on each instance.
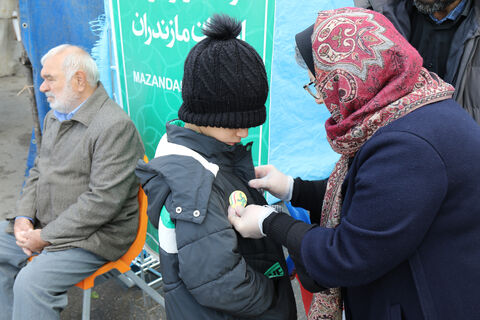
(270, 179)
(248, 221)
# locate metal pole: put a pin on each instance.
(33, 103)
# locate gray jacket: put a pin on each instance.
(463, 68)
(82, 190)
(209, 270)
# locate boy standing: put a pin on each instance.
(209, 270)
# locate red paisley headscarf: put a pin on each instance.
(369, 76)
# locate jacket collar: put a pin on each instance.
(88, 111)
(237, 157)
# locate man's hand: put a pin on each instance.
(270, 179)
(20, 228)
(248, 221)
(34, 242)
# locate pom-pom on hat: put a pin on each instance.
(224, 83)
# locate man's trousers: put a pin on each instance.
(38, 289)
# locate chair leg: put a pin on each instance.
(125, 280)
(142, 273)
(87, 294)
(142, 285)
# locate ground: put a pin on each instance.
(111, 299)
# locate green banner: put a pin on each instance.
(152, 39)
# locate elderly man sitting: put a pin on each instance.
(79, 207)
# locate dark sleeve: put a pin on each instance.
(309, 195)
(153, 183)
(289, 232)
(399, 186)
(362, 4)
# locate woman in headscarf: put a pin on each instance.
(399, 224)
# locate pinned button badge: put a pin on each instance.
(237, 199)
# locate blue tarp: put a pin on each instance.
(46, 24)
(298, 144)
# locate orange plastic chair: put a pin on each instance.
(123, 264)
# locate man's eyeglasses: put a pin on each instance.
(311, 88)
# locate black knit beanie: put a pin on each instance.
(224, 82)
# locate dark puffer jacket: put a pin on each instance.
(209, 270)
(463, 67)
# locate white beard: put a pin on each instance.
(65, 101)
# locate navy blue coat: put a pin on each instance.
(408, 245)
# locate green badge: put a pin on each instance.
(274, 271)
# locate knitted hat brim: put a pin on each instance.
(234, 120)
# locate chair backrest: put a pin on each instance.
(139, 241)
(123, 263)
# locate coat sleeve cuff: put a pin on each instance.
(285, 230)
(46, 235)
